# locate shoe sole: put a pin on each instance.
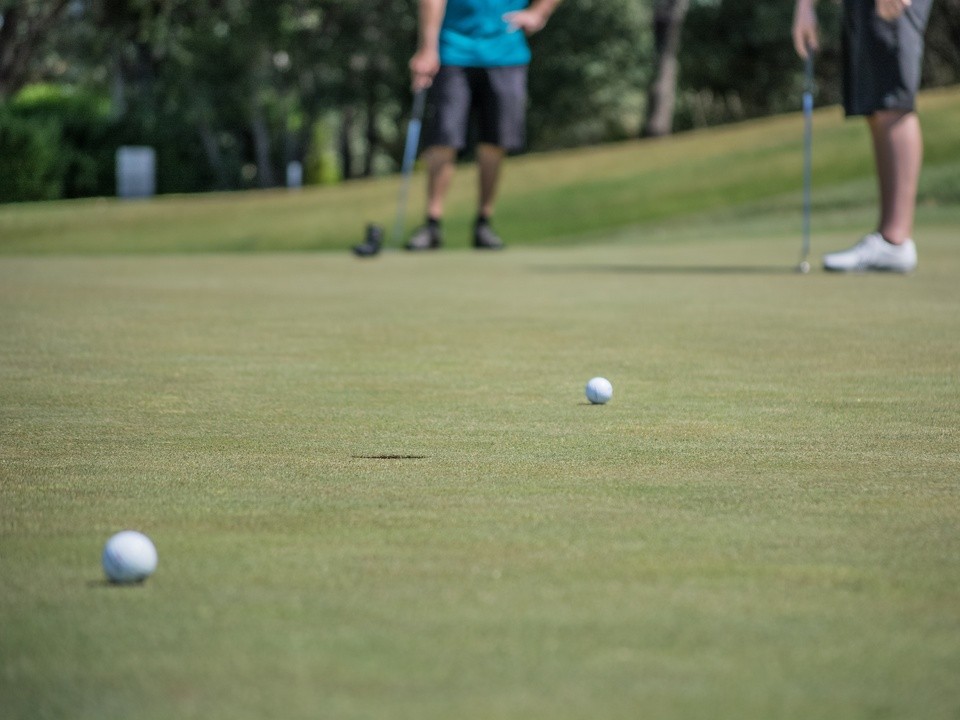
(862, 271)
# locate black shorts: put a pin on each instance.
(881, 60)
(495, 97)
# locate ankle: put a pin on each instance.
(893, 238)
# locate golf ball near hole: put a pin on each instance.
(599, 390)
(129, 557)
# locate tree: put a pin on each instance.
(942, 61)
(737, 59)
(230, 91)
(589, 65)
(24, 26)
(668, 17)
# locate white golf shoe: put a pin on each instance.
(874, 253)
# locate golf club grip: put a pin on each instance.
(413, 141)
(419, 104)
(413, 131)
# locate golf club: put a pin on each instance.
(373, 241)
(409, 156)
(804, 266)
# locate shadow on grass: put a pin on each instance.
(671, 269)
(104, 583)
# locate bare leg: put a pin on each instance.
(898, 151)
(489, 160)
(440, 169)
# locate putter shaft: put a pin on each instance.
(409, 158)
(807, 154)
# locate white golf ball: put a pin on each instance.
(129, 557)
(599, 390)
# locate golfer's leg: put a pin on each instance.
(898, 151)
(440, 169)
(501, 98)
(489, 161)
(445, 133)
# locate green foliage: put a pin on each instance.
(941, 62)
(321, 166)
(229, 92)
(181, 163)
(588, 73)
(29, 163)
(80, 132)
(737, 61)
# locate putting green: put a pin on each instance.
(378, 491)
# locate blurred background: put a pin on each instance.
(234, 94)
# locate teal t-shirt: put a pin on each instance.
(474, 34)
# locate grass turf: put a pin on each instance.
(377, 489)
(546, 199)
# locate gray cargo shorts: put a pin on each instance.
(881, 60)
(495, 97)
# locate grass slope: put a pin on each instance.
(546, 198)
(377, 490)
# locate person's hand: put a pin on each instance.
(530, 21)
(424, 66)
(806, 36)
(891, 9)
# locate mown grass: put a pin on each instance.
(546, 198)
(377, 490)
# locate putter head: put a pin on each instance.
(372, 242)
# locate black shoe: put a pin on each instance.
(372, 242)
(484, 238)
(426, 237)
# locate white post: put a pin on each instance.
(136, 171)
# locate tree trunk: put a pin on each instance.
(373, 137)
(668, 19)
(261, 147)
(214, 157)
